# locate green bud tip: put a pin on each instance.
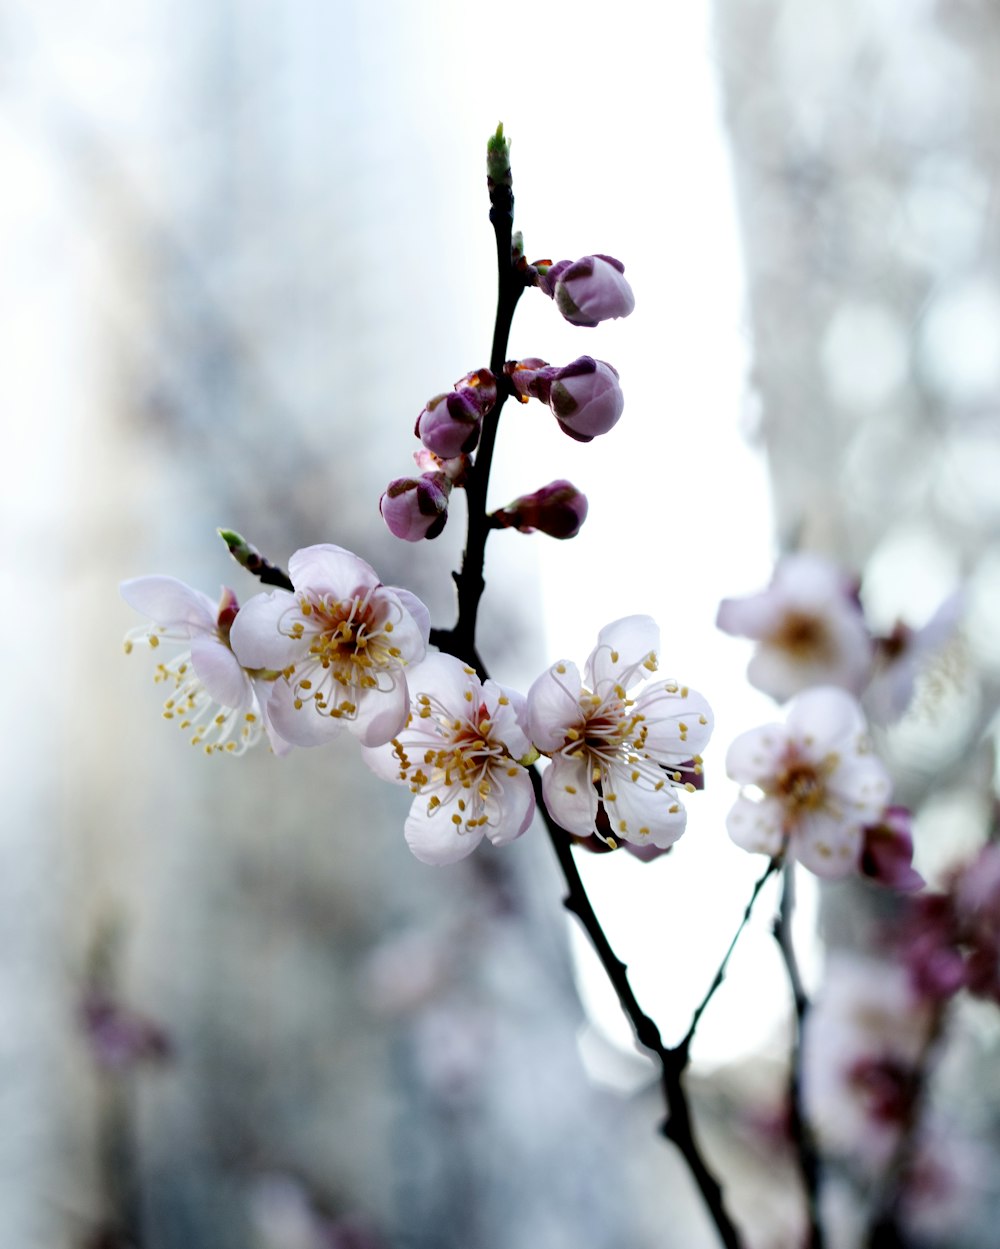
(498, 155)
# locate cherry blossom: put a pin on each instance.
(618, 738)
(808, 626)
(814, 784)
(459, 754)
(211, 693)
(340, 643)
(589, 290)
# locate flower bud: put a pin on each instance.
(449, 424)
(416, 507)
(455, 470)
(887, 852)
(586, 398)
(531, 378)
(558, 509)
(589, 290)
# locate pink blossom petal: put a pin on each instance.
(826, 714)
(169, 602)
(421, 616)
(554, 705)
(643, 815)
(219, 671)
(381, 714)
(301, 726)
(517, 807)
(570, 796)
(679, 721)
(757, 826)
(329, 569)
(509, 718)
(755, 756)
(826, 845)
(752, 617)
(434, 839)
(862, 787)
(622, 645)
(256, 637)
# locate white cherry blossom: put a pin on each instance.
(811, 784)
(808, 626)
(459, 755)
(620, 737)
(340, 642)
(211, 693)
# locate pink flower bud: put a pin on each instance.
(589, 290)
(416, 507)
(558, 509)
(887, 852)
(586, 398)
(481, 387)
(531, 378)
(449, 424)
(455, 470)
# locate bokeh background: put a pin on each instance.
(244, 241)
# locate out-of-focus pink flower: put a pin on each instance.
(808, 626)
(416, 507)
(887, 851)
(121, 1038)
(340, 644)
(903, 655)
(864, 1041)
(589, 290)
(459, 754)
(558, 509)
(950, 939)
(211, 692)
(584, 396)
(618, 739)
(815, 784)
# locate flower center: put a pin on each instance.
(803, 636)
(350, 650)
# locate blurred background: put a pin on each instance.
(244, 242)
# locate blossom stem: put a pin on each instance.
(720, 975)
(677, 1127)
(806, 1154)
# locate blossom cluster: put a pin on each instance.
(341, 651)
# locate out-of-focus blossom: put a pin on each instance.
(285, 1214)
(584, 396)
(808, 626)
(589, 290)
(459, 753)
(903, 655)
(887, 851)
(618, 739)
(340, 642)
(951, 939)
(815, 784)
(449, 424)
(864, 1042)
(211, 692)
(407, 970)
(416, 507)
(120, 1038)
(558, 509)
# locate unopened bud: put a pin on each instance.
(558, 509)
(531, 378)
(887, 852)
(416, 507)
(449, 424)
(589, 290)
(586, 398)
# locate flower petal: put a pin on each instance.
(417, 610)
(754, 757)
(825, 714)
(757, 826)
(170, 602)
(570, 796)
(256, 635)
(301, 726)
(679, 721)
(621, 646)
(381, 714)
(554, 705)
(827, 845)
(329, 569)
(643, 815)
(517, 807)
(433, 838)
(219, 671)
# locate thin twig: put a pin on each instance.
(806, 1154)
